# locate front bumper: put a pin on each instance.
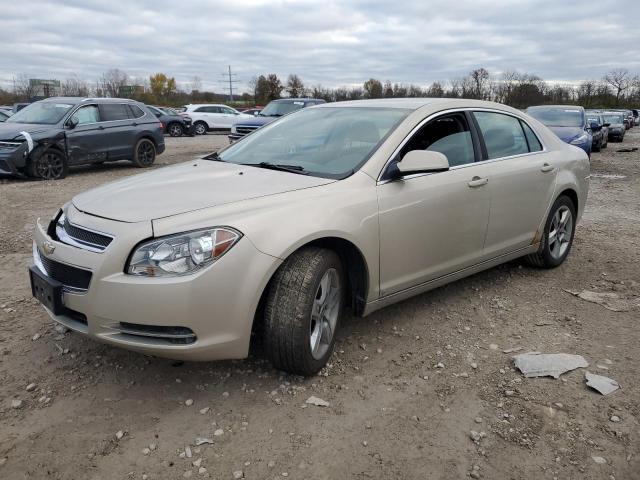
(13, 157)
(217, 304)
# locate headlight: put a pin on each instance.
(233, 129)
(581, 139)
(182, 254)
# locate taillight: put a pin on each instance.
(161, 126)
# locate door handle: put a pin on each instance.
(134, 124)
(100, 127)
(478, 182)
(547, 168)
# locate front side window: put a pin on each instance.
(228, 111)
(87, 114)
(114, 111)
(449, 135)
(328, 142)
(45, 113)
(503, 134)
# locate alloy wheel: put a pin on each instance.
(200, 129)
(50, 165)
(175, 130)
(560, 232)
(146, 153)
(324, 313)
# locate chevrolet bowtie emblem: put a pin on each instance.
(48, 247)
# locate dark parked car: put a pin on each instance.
(567, 121)
(275, 109)
(48, 136)
(599, 130)
(616, 123)
(636, 116)
(173, 123)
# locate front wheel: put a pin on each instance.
(50, 165)
(144, 153)
(557, 237)
(303, 311)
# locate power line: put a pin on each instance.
(229, 78)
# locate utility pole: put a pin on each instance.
(229, 78)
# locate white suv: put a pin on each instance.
(213, 117)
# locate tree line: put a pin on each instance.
(618, 88)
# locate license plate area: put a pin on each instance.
(47, 290)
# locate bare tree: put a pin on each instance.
(74, 87)
(23, 88)
(196, 84)
(295, 87)
(112, 82)
(620, 80)
(435, 90)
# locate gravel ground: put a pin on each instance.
(406, 386)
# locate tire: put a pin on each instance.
(144, 153)
(553, 253)
(51, 164)
(175, 130)
(303, 311)
(200, 128)
(598, 146)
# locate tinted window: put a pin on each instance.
(87, 114)
(449, 135)
(558, 117)
(202, 109)
(532, 139)
(228, 111)
(114, 111)
(136, 111)
(503, 134)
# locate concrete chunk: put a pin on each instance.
(536, 364)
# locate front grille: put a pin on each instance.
(71, 277)
(81, 237)
(172, 335)
(244, 130)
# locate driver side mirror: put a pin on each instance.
(255, 114)
(422, 161)
(606, 124)
(595, 127)
(72, 123)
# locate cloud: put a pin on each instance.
(330, 43)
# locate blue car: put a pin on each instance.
(274, 110)
(568, 122)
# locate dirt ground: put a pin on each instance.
(393, 412)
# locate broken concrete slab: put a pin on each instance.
(603, 385)
(536, 364)
(318, 402)
(609, 300)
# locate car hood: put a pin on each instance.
(187, 187)
(567, 134)
(256, 121)
(10, 131)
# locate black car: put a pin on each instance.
(274, 110)
(45, 138)
(174, 124)
(599, 130)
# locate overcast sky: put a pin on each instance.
(325, 42)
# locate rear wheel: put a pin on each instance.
(175, 130)
(144, 154)
(200, 128)
(303, 311)
(50, 165)
(557, 236)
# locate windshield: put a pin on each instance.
(45, 113)
(277, 109)
(330, 142)
(612, 118)
(557, 117)
(169, 111)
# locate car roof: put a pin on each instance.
(418, 103)
(88, 99)
(206, 105)
(290, 100)
(557, 106)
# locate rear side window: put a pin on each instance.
(532, 139)
(136, 111)
(114, 111)
(503, 134)
(449, 135)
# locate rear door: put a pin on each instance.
(522, 181)
(85, 142)
(228, 116)
(119, 130)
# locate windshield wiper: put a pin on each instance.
(214, 156)
(281, 167)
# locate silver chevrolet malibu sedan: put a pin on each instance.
(346, 205)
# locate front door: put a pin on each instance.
(85, 142)
(434, 224)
